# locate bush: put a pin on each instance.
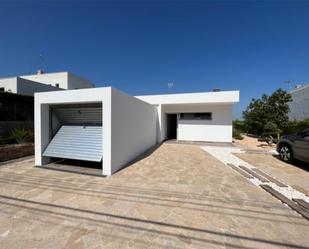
(271, 129)
(296, 126)
(273, 108)
(237, 134)
(239, 125)
(21, 136)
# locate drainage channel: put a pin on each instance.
(296, 200)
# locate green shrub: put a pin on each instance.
(237, 134)
(21, 135)
(271, 129)
(296, 126)
(239, 125)
(273, 108)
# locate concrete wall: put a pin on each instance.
(25, 87)
(65, 80)
(9, 84)
(28, 87)
(219, 129)
(299, 107)
(41, 132)
(133, 128)
(50, 79)
(76, 82)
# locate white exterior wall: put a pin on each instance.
(219, 129)
(133, 128)
(9, 84)
(29, 84)
(25, 87)
(65, 80)
(41, 132)
(28, 87)
(76, 82)
(50, 79)
(220, 104)
(299, 107)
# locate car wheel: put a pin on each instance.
(285, 153)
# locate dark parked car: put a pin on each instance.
(294, 146)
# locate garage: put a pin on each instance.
(76, 132)
(98, 127)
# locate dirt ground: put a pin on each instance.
(178, 197)
(252, 143)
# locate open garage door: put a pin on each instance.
(76, 142)
(76, 132)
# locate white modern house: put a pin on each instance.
(299, 106)
(43, 82)
(108, 126)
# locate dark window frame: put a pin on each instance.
(196, 116)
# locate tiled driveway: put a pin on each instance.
(292, 174)
(178, 197)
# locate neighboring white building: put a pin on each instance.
(106, 125)
(43, 82)
(299, 106)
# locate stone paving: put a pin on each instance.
(231, 155)
(295, 174)
(177, 197)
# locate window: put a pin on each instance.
(1, 89)
(57, 84)
(196, 116)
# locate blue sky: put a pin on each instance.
(139, 47)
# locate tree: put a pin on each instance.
(268, 114)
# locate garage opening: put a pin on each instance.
(76, 134)
(171, 126)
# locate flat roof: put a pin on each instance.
(222, 97)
